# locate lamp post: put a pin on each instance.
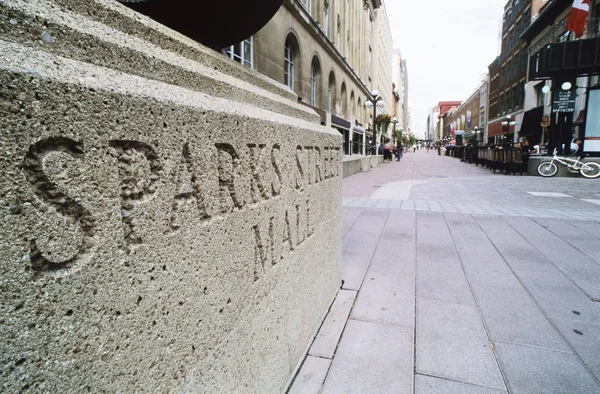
(506, 125)
(394, 122)
(372, 102)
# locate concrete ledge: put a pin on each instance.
(354, 164)
(162, 231)
(534, 162)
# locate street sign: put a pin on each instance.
(563, 101)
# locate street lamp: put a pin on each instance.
(506, 125)
(477, 131)
(373, 102)
(395, 122)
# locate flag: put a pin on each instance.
(578, 17)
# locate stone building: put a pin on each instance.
(332, 54)
(400, 90)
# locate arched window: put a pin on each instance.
(352, 114)
(315, 76)
(344, 101)
(331, 94)
(289, 65)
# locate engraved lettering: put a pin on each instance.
(140, 171)
(277, 167)
(230, 192)
(49, 163)
(258, 168)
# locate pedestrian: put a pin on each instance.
(387, 151)
(399, 151)
(380, 150)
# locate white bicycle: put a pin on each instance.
(574, 165)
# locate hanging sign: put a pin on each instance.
(563, 101)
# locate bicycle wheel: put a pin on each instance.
(547, 169)
(590, 170)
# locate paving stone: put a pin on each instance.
(581, 240)
(443, 281)
(508, 309)
(360, 242)
(433, 385)
(386, 298)
(311, 376)
(531, 370)
(395, 260)
(381, 203)
(434, 206)
(371, 220)
(452, 343)
(448, 207)
(408, 204)
(372, 358)
(354, 267)
(357, 202)
(590, 227)
(330, 332)
(559, 297)
(585, 340)
(581, 269)
(350, 214)
(421, 205)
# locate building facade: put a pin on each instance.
(332, 54)
(546, 37)
(513, 67)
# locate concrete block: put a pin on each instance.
(452, 343)
(330, 332)
(311, 376)
(531, 370)
(164, 231)
(372, 358)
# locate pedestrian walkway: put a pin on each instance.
(456, 280)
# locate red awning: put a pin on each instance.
(495, 128)
(580, 118)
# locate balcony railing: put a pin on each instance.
(563, 58)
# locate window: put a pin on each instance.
(513, 103)
(527, 17)
(315, 71)
(522, 94)
(308, 4)
(289, 65)
(501, 101)
(524, 60)
(242, 52)
(508, 71)
(516, 65)
(326, 19)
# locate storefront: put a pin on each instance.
(343, 126)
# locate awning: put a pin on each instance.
(358, 129)
(580, 118)
(531, 122)
(336, 121)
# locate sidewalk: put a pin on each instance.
(460, 281)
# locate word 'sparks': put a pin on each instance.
(171, 221)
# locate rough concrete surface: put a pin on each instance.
(158, 234)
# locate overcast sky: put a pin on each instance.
(447, 46)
